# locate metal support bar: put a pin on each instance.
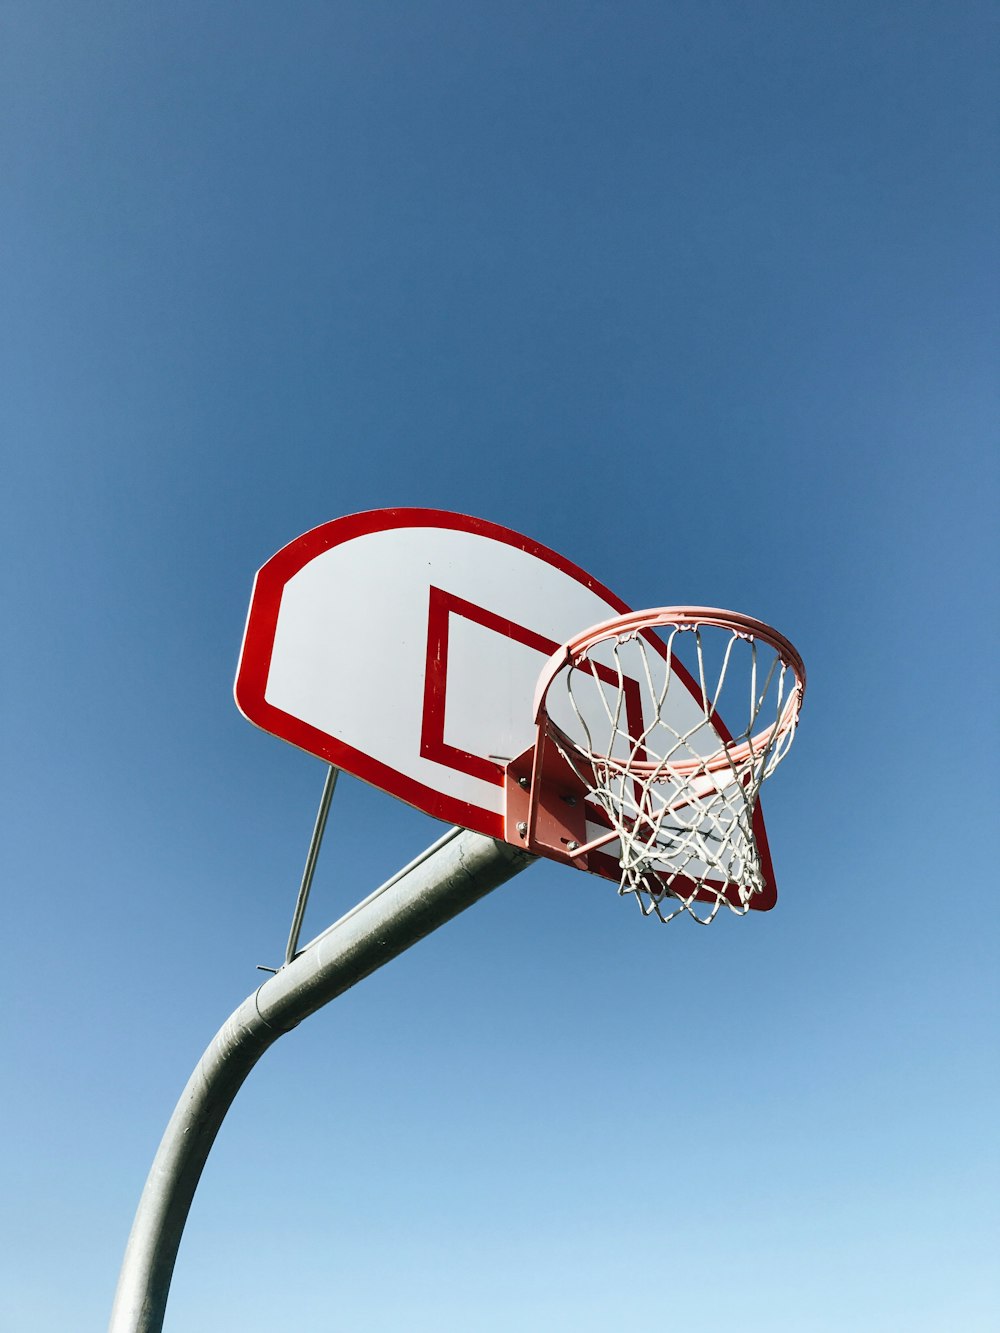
(312, 857)
(459, 869)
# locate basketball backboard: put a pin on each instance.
(404, 647)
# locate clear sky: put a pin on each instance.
(702, 295)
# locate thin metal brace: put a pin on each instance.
(310, 867)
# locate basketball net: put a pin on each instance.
(678, 792)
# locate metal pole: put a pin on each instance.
(312, 857)
(458, 870)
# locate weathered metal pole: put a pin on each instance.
(450, 876)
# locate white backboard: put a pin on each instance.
(404, 645)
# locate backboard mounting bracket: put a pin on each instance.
(545, 811)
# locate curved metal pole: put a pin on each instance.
(449, 877)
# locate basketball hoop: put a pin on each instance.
(633, 774)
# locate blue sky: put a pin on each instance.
(704, 297)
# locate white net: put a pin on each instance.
(636, 713)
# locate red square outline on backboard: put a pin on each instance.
(441, 607)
